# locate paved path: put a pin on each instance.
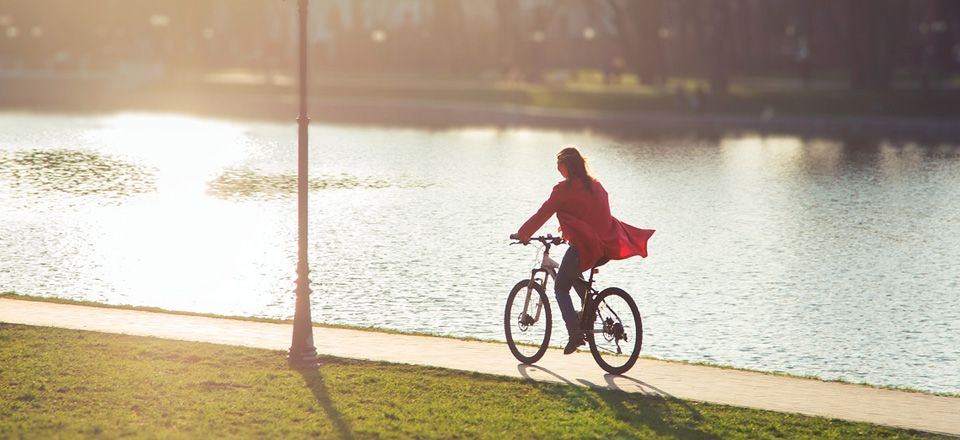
(730, 387)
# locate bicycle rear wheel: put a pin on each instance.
(617, 331)
(527, 322)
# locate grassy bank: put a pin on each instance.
(746, 96)
(71, 383)
(187, 92)
(791, 102)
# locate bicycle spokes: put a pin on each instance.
(616, 331)
(527, 321)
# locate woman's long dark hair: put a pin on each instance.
(576, 166)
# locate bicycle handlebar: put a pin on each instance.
(545, 239)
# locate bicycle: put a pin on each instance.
(612, 314)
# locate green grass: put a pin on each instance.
(747, 97)
(66, 383)
(743, 98)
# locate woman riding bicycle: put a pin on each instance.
(595, 236)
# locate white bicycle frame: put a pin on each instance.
(549, 267)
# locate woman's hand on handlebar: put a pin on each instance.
(516, 236)
(542, 239)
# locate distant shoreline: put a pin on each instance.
(337, 106)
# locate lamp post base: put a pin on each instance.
(303, 358)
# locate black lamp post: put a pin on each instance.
(302, 351)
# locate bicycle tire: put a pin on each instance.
(636, 333)
(509, 320)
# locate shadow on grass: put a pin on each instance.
(611, 384)
(651, 408)
(525, 370)
(314, 380)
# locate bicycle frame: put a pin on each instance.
(549, 267)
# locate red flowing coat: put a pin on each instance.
(586, 222)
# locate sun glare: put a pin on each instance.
(217, 237)
(186, 152)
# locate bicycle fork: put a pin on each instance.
(526, 319)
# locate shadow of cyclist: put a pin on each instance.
(652, 407)
(611, 383)
(525, 371)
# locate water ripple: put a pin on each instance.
(74, 172)
(248, 183)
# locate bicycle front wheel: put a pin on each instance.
(617, 331)
(527, 322)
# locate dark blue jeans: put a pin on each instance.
(567, 274)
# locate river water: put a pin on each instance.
(807, 256)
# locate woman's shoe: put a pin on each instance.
(573, 343)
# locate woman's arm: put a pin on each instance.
(543, 214)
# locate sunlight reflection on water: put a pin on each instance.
(837, 259)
